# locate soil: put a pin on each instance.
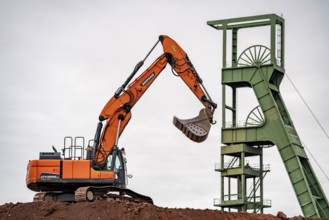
(121, 210)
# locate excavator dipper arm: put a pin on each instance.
(182, 65)
(117, 111)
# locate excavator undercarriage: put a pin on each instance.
(91, 193)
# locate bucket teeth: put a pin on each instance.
(196, 129)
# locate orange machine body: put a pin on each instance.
(52, 175)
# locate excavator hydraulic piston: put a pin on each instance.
(97, 138)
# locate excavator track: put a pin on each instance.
(91, 193)
(54, 196)
(39, 197)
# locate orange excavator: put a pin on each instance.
(102, 173)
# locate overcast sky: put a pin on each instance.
(60, 62)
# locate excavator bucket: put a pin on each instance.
(196, 129)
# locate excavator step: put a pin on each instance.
(196, 129)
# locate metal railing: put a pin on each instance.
(217, 202)
(73, 148)
(238, 197)
(233, 197)
(266, 167)
(218, 166)
(231, 64)
(240, 124)
(228, 165)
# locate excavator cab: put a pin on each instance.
(120, 168)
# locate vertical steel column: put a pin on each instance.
(234, 47)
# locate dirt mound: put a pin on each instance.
(119, 210)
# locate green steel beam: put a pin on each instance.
(245, 22)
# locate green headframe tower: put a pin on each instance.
(260, 69)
